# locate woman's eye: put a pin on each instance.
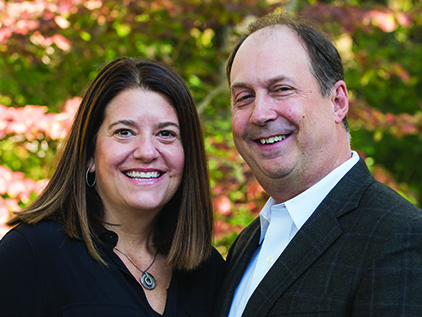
(123, 132)
(167, 134)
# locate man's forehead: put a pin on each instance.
(268, 53)
(270, 33)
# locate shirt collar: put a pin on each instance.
(303, 205)
(265, 217)
(108, 237)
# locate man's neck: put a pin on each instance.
(290, 186)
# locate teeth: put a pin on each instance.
(142, 175)
(272, 139)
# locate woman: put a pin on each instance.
(124, 227)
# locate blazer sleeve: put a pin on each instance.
(392, 283)
(20, 291)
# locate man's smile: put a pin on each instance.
(273, 139)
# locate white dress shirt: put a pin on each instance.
(279, 224)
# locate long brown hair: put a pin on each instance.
(185, 225)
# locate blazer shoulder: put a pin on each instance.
(379, 193)
(377, 211)
(390, 207)
(359, 190)
(245, 238)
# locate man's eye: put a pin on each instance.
(243, 99)
(282, 89)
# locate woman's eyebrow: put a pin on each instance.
(129, 123)
(168, 123)
(132, 123)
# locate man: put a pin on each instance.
(331, 240)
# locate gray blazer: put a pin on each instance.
(359, 254)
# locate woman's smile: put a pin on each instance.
(139, 140)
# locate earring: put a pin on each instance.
(86, 178)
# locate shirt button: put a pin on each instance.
(270, 259)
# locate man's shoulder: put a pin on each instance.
(380, 195)
(249, 230)
(390, 207)
(358, 189)
(378, 211)
(247, 237)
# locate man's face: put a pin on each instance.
(283, 127)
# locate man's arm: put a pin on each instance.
(392, 285)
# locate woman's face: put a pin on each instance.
(139, 155)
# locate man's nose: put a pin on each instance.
(263, 110)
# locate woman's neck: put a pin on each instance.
(135, 233)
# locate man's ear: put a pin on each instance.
(340, 100)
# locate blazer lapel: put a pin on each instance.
(316, 236)
(308, 244)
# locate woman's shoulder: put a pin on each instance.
(212, 268)
(197, 289)
(215, 262)
(22, 246)
(44, 233)
(216, 258)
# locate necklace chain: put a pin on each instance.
(147, 280)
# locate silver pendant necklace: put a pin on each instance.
(147, 280)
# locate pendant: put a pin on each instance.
(148, 281)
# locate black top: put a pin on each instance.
(45, 273)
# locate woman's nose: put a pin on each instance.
(146, 149)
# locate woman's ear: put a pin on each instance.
(340, 99)
(90, 165)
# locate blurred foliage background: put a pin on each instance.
(50, 50)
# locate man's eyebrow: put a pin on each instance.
(238, 85)
(267, 82)
(276, 79)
